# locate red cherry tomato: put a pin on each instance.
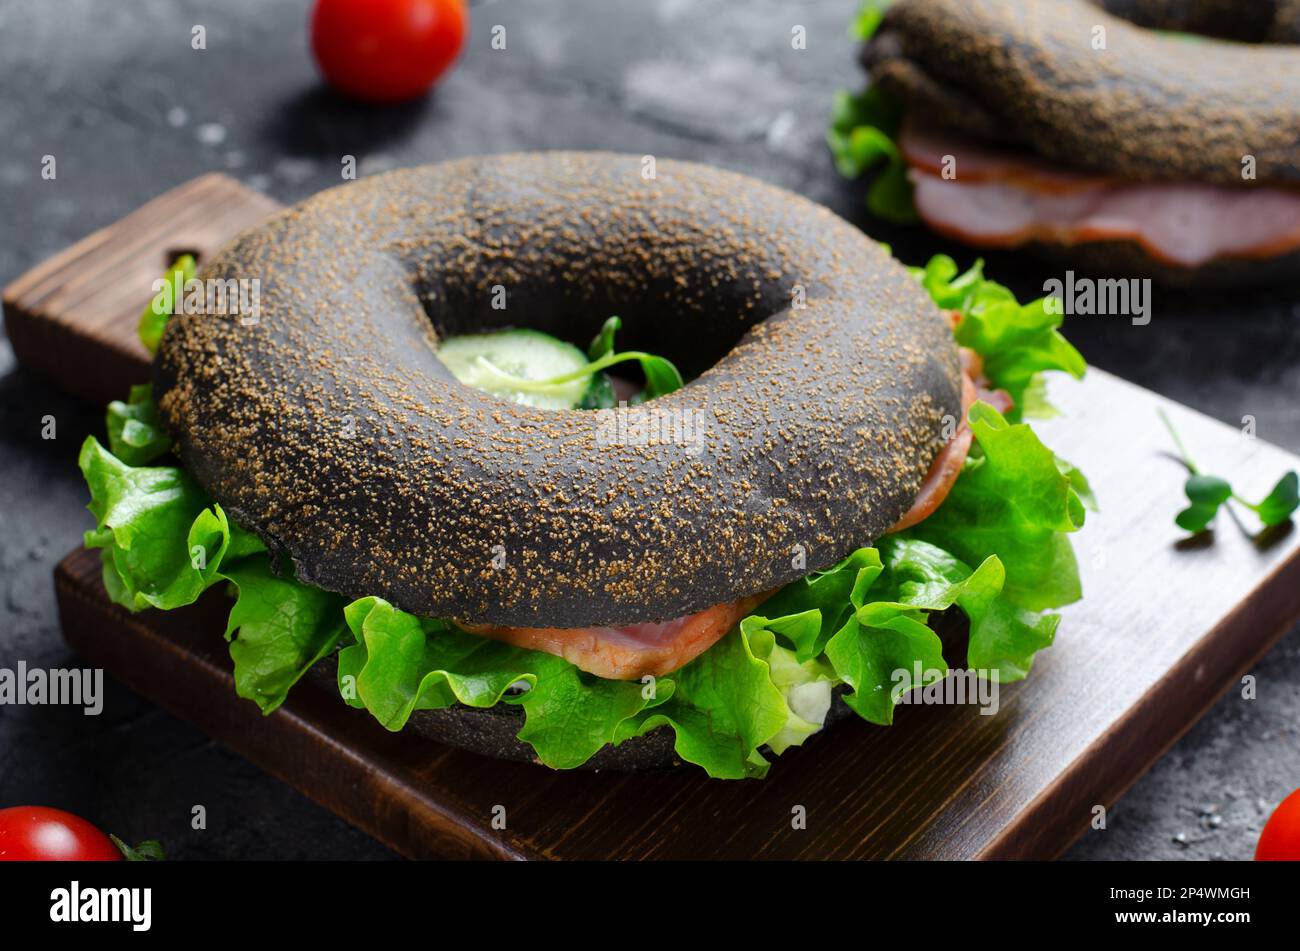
(386, 50)
(1280, 840)
(35, 833)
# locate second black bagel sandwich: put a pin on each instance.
(1054, 125)
(432, 463)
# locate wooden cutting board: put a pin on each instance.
(1166, 626)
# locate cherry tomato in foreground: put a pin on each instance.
(1280, 840)
(35, 833)
(386, 50)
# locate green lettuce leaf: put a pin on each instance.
(863, 137)
(135, 433)
(1012, 500)
(863, 133)
(864, 25)
(154, 319)
(400, 663)
(164, 543)
(885, 647)
(1015, 341)
(1003, 636)
(722, 706)
(806, 685)
(277, 630)
(876, 658)
(1079, 482)
(867, 621)
(829, 596)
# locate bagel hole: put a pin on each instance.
(171, 255)
(694, 338)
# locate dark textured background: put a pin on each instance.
(115, 92)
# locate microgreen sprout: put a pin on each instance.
(1208, 493)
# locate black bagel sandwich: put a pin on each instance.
(415, 484)
(1056, 126)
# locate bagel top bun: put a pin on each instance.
(326, 424)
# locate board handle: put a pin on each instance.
(73, 317)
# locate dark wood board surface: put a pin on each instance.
(1164, 628)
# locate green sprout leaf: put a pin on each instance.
(1207, 490)
(1281, 502)
(603, 343)
(1208, 493)
(661, 376)
(1196, 518)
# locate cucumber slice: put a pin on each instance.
(528, 354)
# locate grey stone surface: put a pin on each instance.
(116, 94)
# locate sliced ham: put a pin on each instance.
(999, 199)
(631, 651)
(948, 464)
(945, 468)
(930, 152)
